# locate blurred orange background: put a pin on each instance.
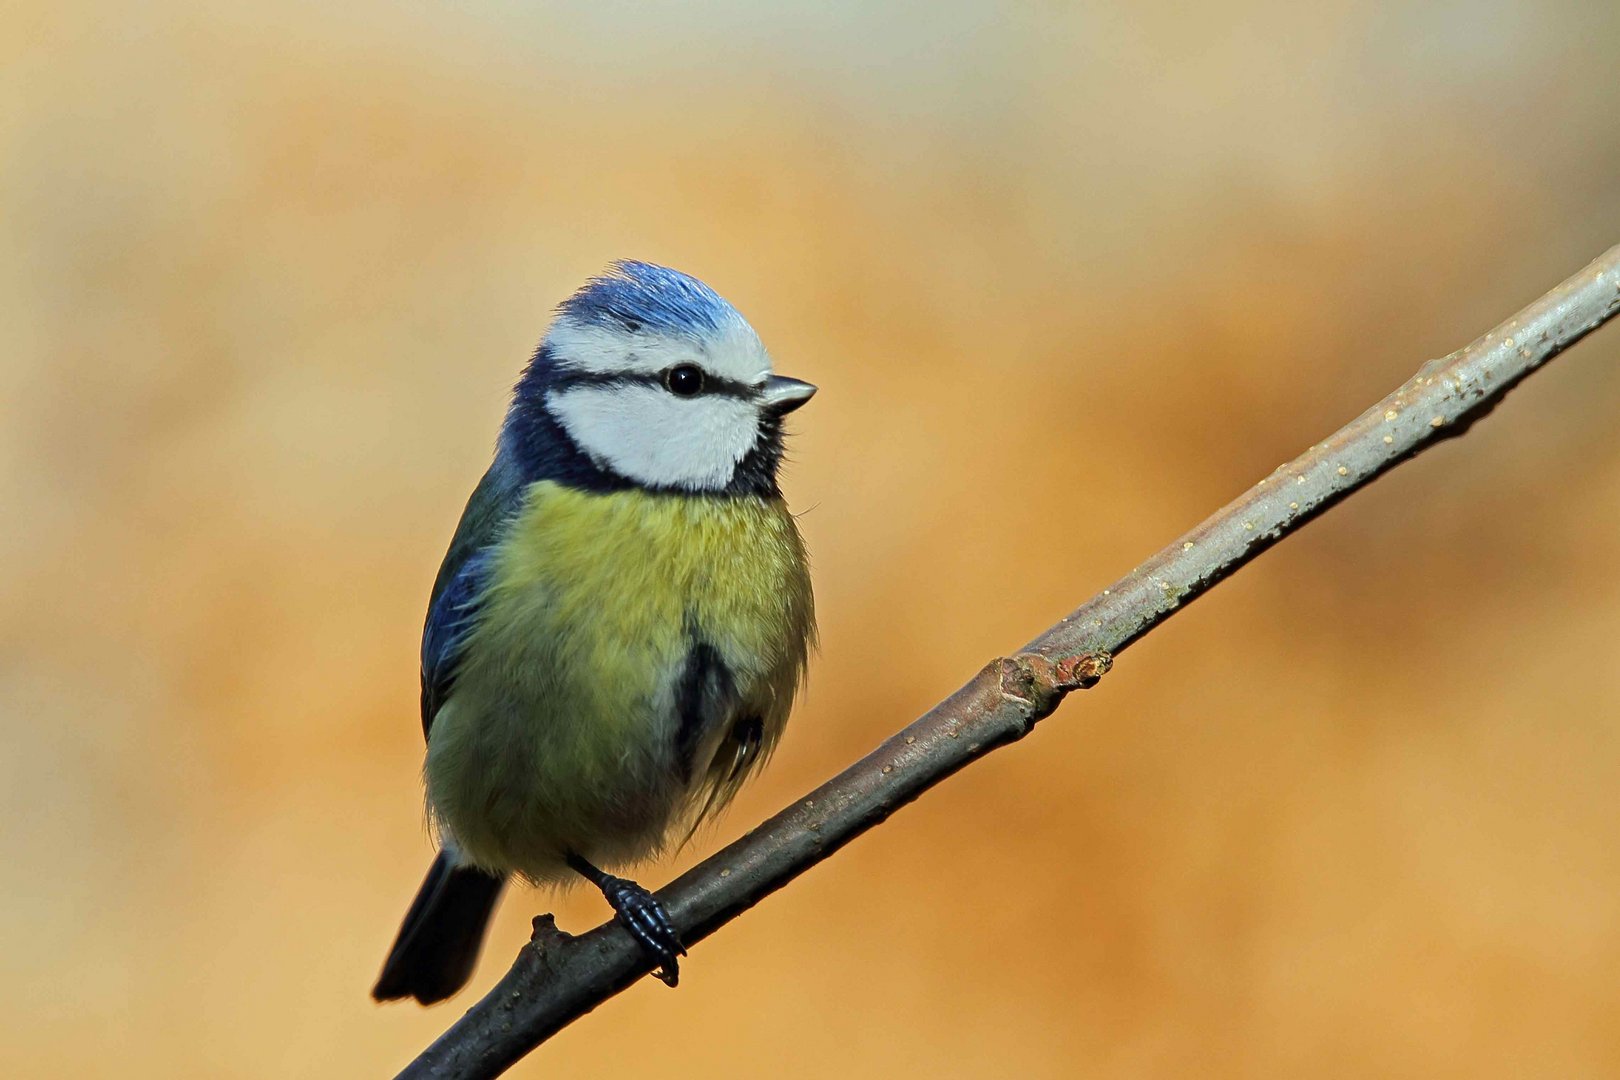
(1069, 277)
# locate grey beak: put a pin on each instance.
(782, 395)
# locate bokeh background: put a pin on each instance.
(1071, 276)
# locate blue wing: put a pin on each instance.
(458, 591)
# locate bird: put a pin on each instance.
(622, 621)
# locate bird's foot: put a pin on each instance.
(644, 916)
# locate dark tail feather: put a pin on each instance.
(439, 941)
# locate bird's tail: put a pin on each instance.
(439, 941)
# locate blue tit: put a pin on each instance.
(620, 626)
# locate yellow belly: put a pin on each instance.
(560, 733)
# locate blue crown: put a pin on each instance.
(636, 295)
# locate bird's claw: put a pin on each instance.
(644, 916)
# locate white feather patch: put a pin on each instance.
(732, 352)
(650, 436)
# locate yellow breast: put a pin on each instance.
(633, 567)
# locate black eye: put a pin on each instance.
(684, 380)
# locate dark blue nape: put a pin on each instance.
(536, 441)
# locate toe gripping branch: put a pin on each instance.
(644, 916)
(641, 913)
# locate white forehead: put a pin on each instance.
(731, 350)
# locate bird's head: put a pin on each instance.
(649, 378)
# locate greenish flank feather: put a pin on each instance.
(561, 732)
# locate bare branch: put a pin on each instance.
(558, 978)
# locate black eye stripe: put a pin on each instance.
(730, 387)
(566, 379)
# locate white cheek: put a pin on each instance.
(650, 436)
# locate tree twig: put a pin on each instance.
(558, 978)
